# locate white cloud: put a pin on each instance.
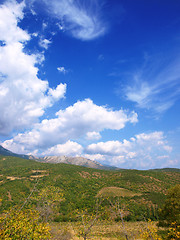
(59, 92)
(108, 148)
(82, 20)
(72, 123)
(23, 97)
(10, 14)
(69, 148)
(44, 26)
(62, 70)
(97, 157)
(156, 86)
(93, 136)
(143, 151)
(44, 43)
(60, 26)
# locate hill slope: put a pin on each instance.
(141, 191)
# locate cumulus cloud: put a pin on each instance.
(93, 136)
(142, 151)
(10, 14)
(58, 92)
(96, 157)
(109, 148)
(69, 148)
(76, 121)
(44, 43)
(81, 18)
(23, 96)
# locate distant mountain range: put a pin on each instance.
(80, 161)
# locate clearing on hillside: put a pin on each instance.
(116, 192)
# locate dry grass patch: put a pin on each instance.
(14, 178)
(100, 231)
(38, 176)
(116, 192)
(39, 171)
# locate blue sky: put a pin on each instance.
(98, 79)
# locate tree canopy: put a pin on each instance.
(170, 212)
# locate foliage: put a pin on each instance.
(15, 225)
(88, 220)
(48, 199)
(150, 232)
(174, 231)
(170, 212)
(80, 187)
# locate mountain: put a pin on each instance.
(5, 152)
(80, 161)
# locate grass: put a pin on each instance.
(100, 231)
(116, 192)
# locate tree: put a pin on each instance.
(170, 213)
(88, 220)
(48, 200)
(119, 210)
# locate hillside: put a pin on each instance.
(141, 191)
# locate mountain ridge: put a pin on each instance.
(6, 152)
(79, 161)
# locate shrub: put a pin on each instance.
(15, 225)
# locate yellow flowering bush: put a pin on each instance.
(48, 200)
(150, 232)
(24, 224)
(174, 231)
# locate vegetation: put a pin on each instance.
(23, 224)
(170, 213)
(85, 197)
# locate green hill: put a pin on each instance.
(142, 192)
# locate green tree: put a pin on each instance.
(170, 212)
(48, 201)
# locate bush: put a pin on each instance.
(15, 225)
(170, 212)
